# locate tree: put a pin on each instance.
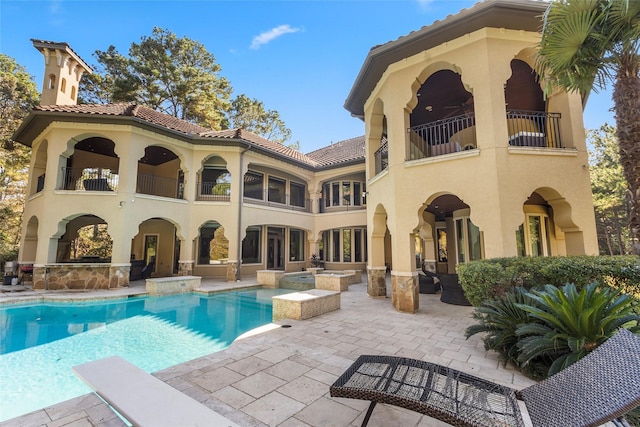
(177, 76)
(610, 195)
(250, 114)
(587, 43)
(18, 95)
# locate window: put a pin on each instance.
(296, 245)
(297, 197)
(277, 190)
(535, 238)
(442, 244)
(468, 240)
(357, 245)
(357, 195)
(63, 85)
(336, 245)
(73, 92)
(52, 81)
(335, 198)
(345, 245)
(213, 247)
(253, 185)
(344, 193)
(251, 246)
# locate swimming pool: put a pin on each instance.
(40, 343)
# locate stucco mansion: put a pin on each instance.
(463, 158)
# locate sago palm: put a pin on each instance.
(585, 45)
(569, 324)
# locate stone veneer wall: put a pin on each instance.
(80, 276)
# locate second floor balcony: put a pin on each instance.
(530, 129)
(87, 179)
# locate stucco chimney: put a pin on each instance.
(63, 69)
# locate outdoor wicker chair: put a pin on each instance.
(601, 387)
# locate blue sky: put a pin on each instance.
(298, 57)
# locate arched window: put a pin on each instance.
(52, 81)
(63, 85)
(73, 92)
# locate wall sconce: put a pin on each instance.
(121, 204)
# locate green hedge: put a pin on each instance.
(486, 279)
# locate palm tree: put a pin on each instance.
(585, 45)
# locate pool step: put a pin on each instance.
(143, 399)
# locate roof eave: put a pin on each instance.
(490, 13)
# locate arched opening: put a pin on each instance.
(51, 82)
(157, 247)
(30, 242)
(455, 238)
(86, 239)
(73, 93)
(536, 235)
(39, 167)
(92, 166)
(63, 85)
(213, 246)
(528, 122)
(159, 173)
(443, 120)
(214, 180)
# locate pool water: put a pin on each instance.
(40, 343)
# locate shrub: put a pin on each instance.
(569, 323)
(499, 319)
(487, 279)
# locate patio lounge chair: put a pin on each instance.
(601, 387)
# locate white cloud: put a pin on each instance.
(425, 4)
(272, 34)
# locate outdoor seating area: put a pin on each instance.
(285, 374)
(598, 388)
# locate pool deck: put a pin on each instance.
(281, 376)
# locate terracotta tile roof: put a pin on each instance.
(261, 142)
(131, 110)
(169, 122)
(341, 152)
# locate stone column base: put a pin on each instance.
(405, 292)
(233, 271)
(39, 277)
(377, 282)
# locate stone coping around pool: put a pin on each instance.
(305, 304)
(172, 285)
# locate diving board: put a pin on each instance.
(143, 399)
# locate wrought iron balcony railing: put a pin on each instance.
(534, 129)
(160, 186)
(442, 137)
(213, 192)
(381, 156)
(87, 179)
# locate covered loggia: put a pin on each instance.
(160, 173)
(90, 164)
(156, 247)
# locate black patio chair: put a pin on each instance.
(602, 386)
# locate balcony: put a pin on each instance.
(530, 129)
(534, 129)
(441, 137)
(160, 186)
(381, 156)
(277, 200)
(88, 179)
(213, 192)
